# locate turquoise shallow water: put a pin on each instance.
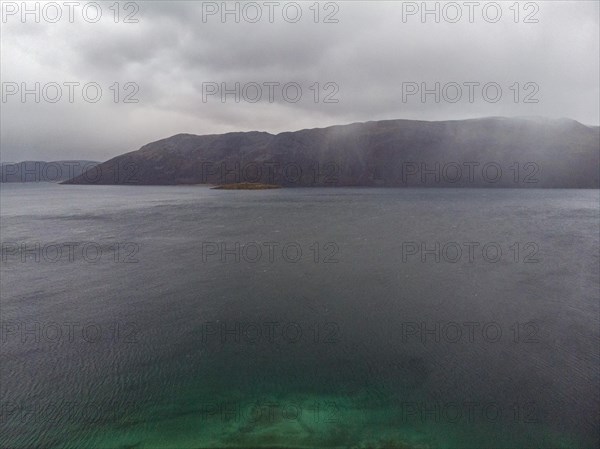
(172, 342)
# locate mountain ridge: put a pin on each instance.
(525, 151)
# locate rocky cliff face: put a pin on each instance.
(489, 152)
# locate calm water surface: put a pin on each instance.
(335, 335)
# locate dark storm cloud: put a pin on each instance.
(171, 53)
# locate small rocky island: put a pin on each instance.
(247, 186)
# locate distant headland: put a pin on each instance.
(42, 171)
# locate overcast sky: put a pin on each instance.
(369, 57)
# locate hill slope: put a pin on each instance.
(488, 152)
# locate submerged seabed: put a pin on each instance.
(379, 431)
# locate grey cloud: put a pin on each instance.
(170, 53)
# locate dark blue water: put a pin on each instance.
(184, 317)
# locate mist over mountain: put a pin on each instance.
(488, 152)
(42, 171)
